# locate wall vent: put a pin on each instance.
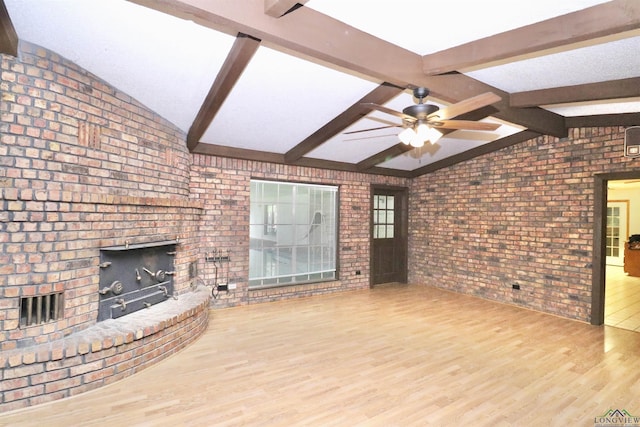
(89, 135)
(41, 309)
(632, 141)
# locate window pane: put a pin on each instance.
(380, 216)
(389, 217)
(390, 202)
(285, 235)
(389, 231)
(292, 230)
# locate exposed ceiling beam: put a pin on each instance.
(490, 147)
(615, 89)
(261, 156)
(536, 119)
(8, 35)
(626, 119)
(277, 8)
(379, 95)
(237, 60)
(597, 21)
(401, 148)
(318, 36)
(238, 153)
(383, 156)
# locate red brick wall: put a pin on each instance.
(223, 186)
(82, 166)
(522, 215)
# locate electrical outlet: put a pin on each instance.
(516, 287)
(232, 286)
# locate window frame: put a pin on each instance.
(270, 226)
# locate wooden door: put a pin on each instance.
(388, 235)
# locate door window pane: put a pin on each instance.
(383, 217)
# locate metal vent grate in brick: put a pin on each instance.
(40, 309)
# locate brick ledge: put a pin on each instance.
(102, 354)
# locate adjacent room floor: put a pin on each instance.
(395, 355)
(622, 299)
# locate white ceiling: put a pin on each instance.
(169, 64)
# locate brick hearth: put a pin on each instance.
(104, 353)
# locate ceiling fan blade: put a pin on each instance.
(388, 111)
(370, 129)
(465, 124)
(464, 106)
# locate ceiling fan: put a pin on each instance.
(422, 121)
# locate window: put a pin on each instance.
(383, 216)
(613, 232)
(293, 229)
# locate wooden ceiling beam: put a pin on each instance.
(597, 21)
(262, 156)
(8, 35)
(536, 119)
(379, 95)
(313, 34)
(624, 119)
(278, 8)
(615, 89)
(237, 60)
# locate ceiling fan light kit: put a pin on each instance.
(418, 136)
(421, 120)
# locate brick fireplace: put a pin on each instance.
(86, 170)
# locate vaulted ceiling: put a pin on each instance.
(293, 82)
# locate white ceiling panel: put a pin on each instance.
(591, 108)
(166, 63)
(426, 27)
(611, 61)
(280, 100)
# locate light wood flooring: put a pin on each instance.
(622, 299)
(395, 355)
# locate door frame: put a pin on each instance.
(404, 226)
(598, 262)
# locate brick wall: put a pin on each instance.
(83, 166)
(223, 186)
(522, 215)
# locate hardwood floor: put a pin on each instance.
(395, 355)
(622, 299)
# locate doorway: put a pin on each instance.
(615, 294)
(388, 236)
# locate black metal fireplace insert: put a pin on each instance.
(133, 277)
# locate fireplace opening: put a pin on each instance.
(134, 277)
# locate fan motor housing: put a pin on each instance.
(420, 111)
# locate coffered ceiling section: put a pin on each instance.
(323, 82)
